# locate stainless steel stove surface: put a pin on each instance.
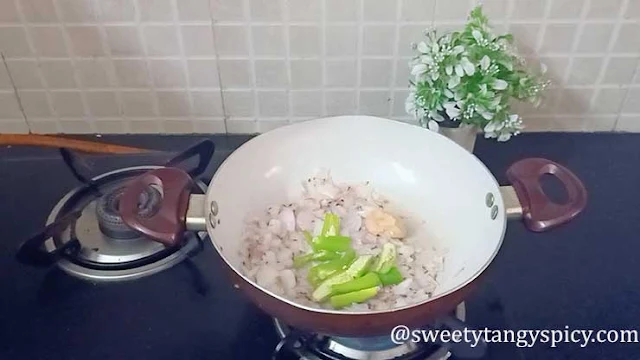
(582, 275)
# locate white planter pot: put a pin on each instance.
(465, 135)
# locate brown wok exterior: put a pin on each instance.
(351, 325)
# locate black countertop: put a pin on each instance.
(582, 275)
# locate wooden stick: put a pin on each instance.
(73, 144)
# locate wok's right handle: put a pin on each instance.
(539, 212)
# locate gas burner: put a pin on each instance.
(109, 219)
(109, 250)
(321, 347)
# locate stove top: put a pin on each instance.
(582, 275)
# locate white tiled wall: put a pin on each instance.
(244, 66)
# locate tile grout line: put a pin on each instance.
(627, 96)
(311, 23)
(203, 118)
(43, 82)
(15, 92)
(323, 55)
(359, 50)
(434, 8)
(612, 40)
(146, 58)
(286, 30)
(574, 51)
(544, 23)
(212, 24)
(543, 26)
(67, 40)
(607, 58)
(332, 88)
(396, 60)
(185, 65)
(246, 8)
(114, 79)
(508, 17)
(266, 57)
(508, 14)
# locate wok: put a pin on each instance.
(465, 209)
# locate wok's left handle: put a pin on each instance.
(167, 224)
(539, 212)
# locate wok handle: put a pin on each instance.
(167, 224)
(539, 212)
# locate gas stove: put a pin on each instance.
(108, 249)
(86, 237)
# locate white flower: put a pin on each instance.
(485, 114)
(422, 47)
(507, 64)
(435, 116)
(467, 66)
(433, 126)
(453, 82)
(419, 69)
(449, 104)
(449, 93)
(477, 35)
(452, 111)
(420, 114)
(485, 62)
(410, 104)
(459, 70)
(427, 59)
(457, 50)
(505, 129)
(500, 84)
(492, 129)
(449, 70)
